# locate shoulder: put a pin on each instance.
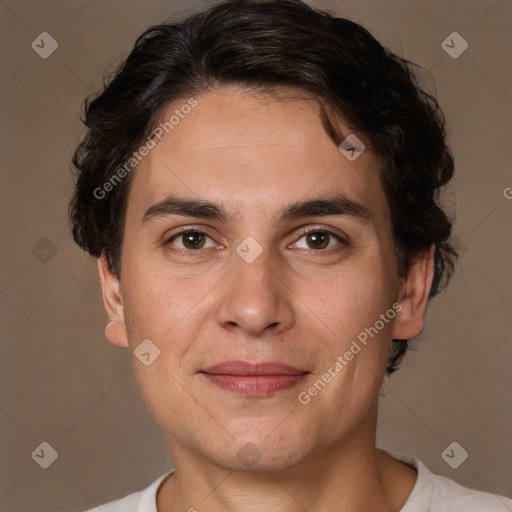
(435, 493)
(141, 501)
(450, 496)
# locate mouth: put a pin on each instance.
(254, 379)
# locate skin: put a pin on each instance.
(295, 303)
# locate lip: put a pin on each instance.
(254, 379)
(246, 368)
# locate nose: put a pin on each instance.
(255, 298)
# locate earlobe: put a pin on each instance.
(414, 296)
(115, 331)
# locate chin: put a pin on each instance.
(249, 458)
(261, 452)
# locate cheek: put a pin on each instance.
(350, 299)
(350, 305)
(355, 348)
(159, 309)
(167, 309)
(151, 293)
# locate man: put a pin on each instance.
(259, 184)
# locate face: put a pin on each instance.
(267, 282)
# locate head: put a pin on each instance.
(233, 125)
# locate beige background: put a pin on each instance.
(63, 383)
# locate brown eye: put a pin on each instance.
(191, 240)
(318, 240)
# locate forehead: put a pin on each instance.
(254, 152)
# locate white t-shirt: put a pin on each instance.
(431, 493)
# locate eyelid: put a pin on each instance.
(187, 229)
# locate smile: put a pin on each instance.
(252, 379)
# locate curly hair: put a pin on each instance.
(260, 45)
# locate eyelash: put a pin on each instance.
(303, 233)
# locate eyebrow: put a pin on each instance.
(335, 204)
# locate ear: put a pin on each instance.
(413, 297)
(115, 330)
